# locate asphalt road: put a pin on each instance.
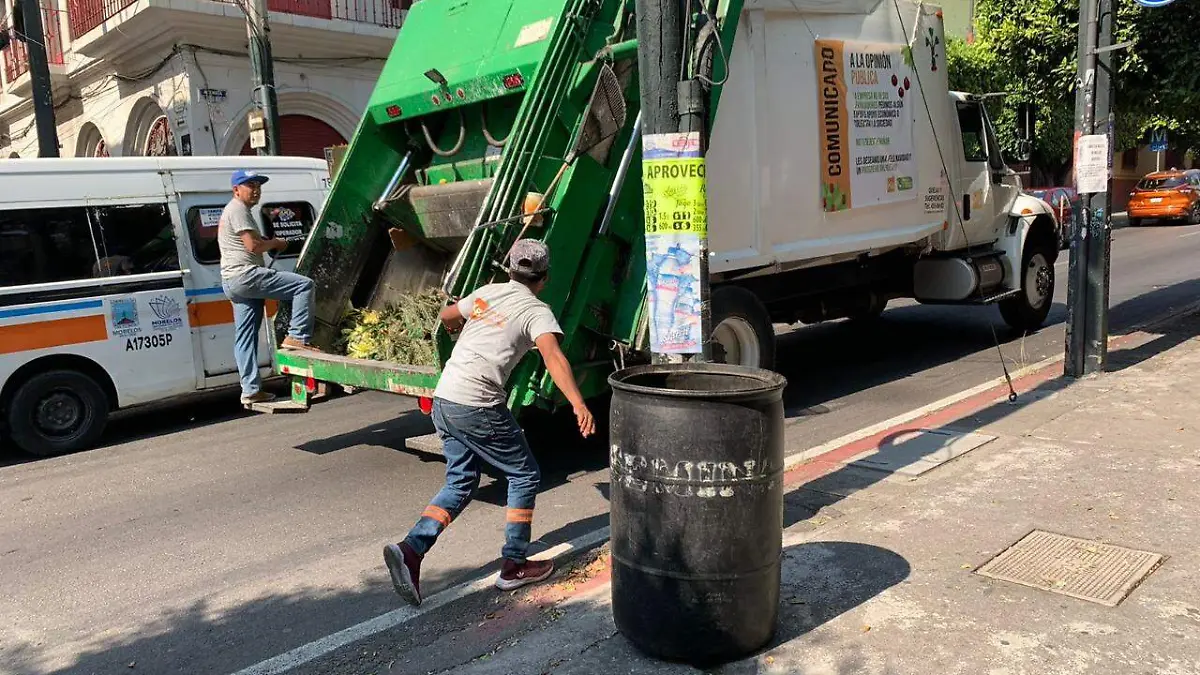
(204, 540)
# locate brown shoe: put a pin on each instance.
(292, 343)
(514, 575)
(258, 397)
(405, 567)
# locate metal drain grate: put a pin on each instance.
(1079, 568)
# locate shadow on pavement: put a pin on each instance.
(204, 638)
(389, 434)
(821, 493)
(825, 362)
(821, 581)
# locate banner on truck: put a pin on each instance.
(865, 93)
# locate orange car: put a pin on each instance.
(1166, 195)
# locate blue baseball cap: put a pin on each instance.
(244, 176)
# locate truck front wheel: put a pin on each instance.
(742, 332)
(1027, 310)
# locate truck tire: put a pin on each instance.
(1027, 311)
(57, 412)
(742, 331)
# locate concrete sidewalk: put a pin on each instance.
(884, 540)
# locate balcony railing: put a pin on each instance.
(88, 14)
(16, 54)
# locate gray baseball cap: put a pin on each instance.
(530, 256)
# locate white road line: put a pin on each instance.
(1189, 234)
(397, 617)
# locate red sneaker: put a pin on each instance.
(514, 575)
(405, 567)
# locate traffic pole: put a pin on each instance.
(262, 66)
(1088, 291)
(34, 36)
(674, 140)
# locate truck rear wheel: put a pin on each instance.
(742, 332)
(1027, 311)
(56, 412)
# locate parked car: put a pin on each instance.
(1166, 195)
(1063, 201)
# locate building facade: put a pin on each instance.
(161, 77)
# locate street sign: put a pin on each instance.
(1158, 140)
(1154, 3)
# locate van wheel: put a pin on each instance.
(742, 332)
(1027, 311)
(57, 412)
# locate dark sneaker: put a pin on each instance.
(405, 567)
(514, 575)
(258, 397)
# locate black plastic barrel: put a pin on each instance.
(697, 508)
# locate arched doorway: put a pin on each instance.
(91, 143)
(160, 142)
(148, 132)
(303, 136)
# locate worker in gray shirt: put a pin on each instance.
(500, 323)
(248, 283)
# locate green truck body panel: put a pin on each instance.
(521, 72)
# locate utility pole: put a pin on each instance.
(674, 140)
(1088, 293)
(29, 26)
(263, 66)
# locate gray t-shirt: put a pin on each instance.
(235, 259)
(503, 322)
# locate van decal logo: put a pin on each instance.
(125, 317)
(167, 312)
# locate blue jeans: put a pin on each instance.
(470, 435)
(249, 292)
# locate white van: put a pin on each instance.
(110, 289)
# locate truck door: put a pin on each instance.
(151, 349)
(981, 186)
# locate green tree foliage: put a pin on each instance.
(1029, 49)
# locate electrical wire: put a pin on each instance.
(1012, 392)
(715, 37)
(687, 40)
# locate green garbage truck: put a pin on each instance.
(842, 173)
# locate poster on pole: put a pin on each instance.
(1091, 164)
(865, 94)
(673, 192)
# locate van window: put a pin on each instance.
(39, 246)
(970, 120)
(135, 239)
(291, 221)
(202, 224)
